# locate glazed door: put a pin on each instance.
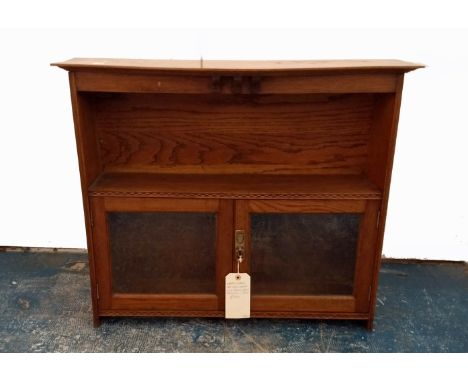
(308, 257)
(161, 256)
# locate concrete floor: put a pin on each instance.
(45, 307)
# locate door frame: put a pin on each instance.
(359, 301)
(110, 303)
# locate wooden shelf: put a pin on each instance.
(252, 186)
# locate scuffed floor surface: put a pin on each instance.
(45, 307)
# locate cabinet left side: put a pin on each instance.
(90, 168)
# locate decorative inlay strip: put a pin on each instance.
(311, 315)
(222, 195)
(161, 313)
(207, 313)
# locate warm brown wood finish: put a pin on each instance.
(116, 64)
(176, 155)
(358, 301)
(382, 149)
(89, 169)
(101, 207)
(234, 186)
(226, 84)
(229, 133)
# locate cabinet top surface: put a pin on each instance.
(94, 64)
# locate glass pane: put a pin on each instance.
(299, 254)
(162, 252)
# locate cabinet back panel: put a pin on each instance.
(233, 133)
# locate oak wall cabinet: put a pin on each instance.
(179, 157)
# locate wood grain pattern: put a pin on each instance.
(165, 301)
(142, 83)
(306, 206)
(205, 84)
(159, 205)
(328, 83)
(231, 113)
(321, 134)
(303, 303)
(232, 187)
(218, 153)
(126, 312)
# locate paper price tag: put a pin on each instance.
(237, 295)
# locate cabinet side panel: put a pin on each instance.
(382, 138)
(380, 163)
(89, 169)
